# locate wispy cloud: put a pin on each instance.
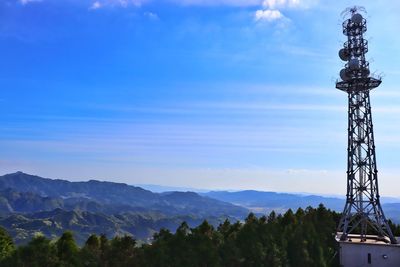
(268, 15)
(266, 4)
(303, 51)
(136, 3)
(218, 2)
(282, 4)
(96, 5)
(25, 2)
(151, 15)
(115, 3)
(258, 107)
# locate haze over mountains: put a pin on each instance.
(30, 204)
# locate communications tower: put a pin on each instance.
(362, 213)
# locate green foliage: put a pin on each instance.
(295, 239)
(39, 252)
(6, 245)
(122, 251)
(91, 251)
(67, 250)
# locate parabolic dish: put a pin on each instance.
(343, 54)
(343, 75)
(357, 18)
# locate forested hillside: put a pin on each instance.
(30, 205)
(300, 239)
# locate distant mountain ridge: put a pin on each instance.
(265, 202)
(97, 190)
(68, 194)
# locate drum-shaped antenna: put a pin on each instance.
(344, 54)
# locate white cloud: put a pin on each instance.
(25, 2)
(268, 15)
(96, 5)
(281, 4)
(272, 8)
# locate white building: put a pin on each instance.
(373, 252)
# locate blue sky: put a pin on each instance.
(222, 94)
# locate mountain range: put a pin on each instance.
(27, 193)
(30, 205)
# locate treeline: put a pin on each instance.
(301, 239)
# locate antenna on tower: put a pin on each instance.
(352, 10)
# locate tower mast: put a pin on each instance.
(362, 213)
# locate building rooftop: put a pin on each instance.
(370, 240)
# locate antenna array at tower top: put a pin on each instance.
(351, 10)
(356, 75)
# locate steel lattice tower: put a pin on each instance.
(362, 213)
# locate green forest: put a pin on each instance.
(304, 238)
